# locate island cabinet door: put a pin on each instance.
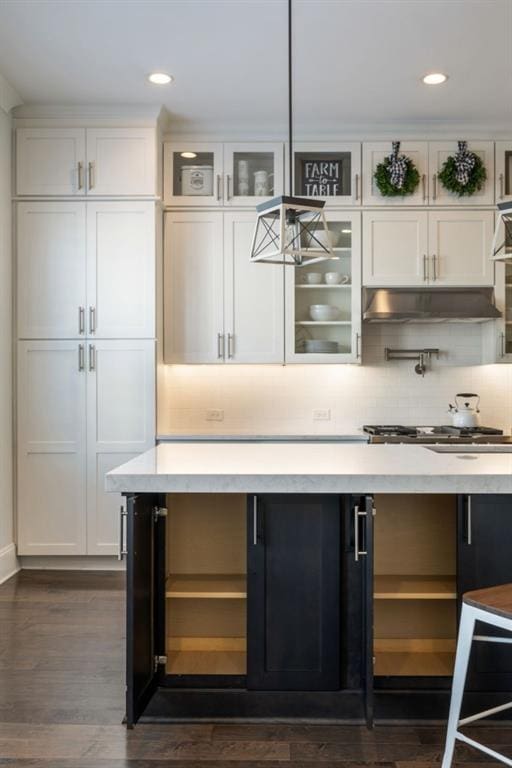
(485, 560)
(145, 594)
(293, 592)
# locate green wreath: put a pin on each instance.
(449, 175)
(386, 186)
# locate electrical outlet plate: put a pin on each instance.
(321, 414)
(215, 414)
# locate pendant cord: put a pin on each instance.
(290, 125)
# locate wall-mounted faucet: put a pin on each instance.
(422, 356)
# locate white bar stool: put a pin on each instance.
(492, 606)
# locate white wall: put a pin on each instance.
(280, 400)
(7, 550)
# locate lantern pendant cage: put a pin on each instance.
(293, 231)
(502, 241)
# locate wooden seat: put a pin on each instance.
(497, 600)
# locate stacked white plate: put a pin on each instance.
(320, 346)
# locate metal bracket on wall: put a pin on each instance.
(421, 356)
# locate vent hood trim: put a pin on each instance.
(423, 305)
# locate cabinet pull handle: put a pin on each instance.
(255, 520)
(92, 180)
(219, 195)
(434, 186)
(122, 545)
(80, 175)
(220, 346)
(92, 319)
(92, 357)
(81, 319)
(434, 266)
(469, 531)
(502, 344)
(424, 186)
(357, 187)
(358, 351)
(228, 187)
(502, 191)
(81, 360)
(231, 345)
(426, 270)
(358, 552)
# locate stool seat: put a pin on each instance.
(497, 600)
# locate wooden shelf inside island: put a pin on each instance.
(415, 588)
(206, 586)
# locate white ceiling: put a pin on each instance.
(356, 61)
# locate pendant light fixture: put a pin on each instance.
(291, 230)
(502, 251)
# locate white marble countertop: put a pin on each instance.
(360, 437)
(241, 467)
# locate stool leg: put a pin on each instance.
(466, 628)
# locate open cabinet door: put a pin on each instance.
(362, 514)
(145, 595)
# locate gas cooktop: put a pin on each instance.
(397, 433)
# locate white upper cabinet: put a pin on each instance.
(51, 445)
(51, 268)
(439, 151)
(50, 161)
(193, 288)
(86, 161)
(254, 302)
(375, 153)
(395, 248)
(503, 171)
(329, 170)
(120, 425)
(193, 174)
(121, 161)
(459, 247)
(253, 173)
(121, 269)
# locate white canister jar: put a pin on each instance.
(197, 180)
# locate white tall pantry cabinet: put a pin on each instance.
(85, 279)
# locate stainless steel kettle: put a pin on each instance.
(464, 414)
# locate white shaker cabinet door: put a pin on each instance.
(121, 161)
(395, 248)
(194, 288)
(51, 270)
(51, 448)
(121, 269)
(439, 152)
(254, 303)
(120, 425)
(50, 161)
(459, 246)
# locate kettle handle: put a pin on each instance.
(466, 395)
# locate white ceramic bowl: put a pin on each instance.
(313, 278)
(323, 312)
(321, 236)
(321, 347)
(334, 278)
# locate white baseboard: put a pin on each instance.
(9, 564)
(71, 563)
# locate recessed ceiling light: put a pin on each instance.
(435, 78)
(188, 155)
(160, 78)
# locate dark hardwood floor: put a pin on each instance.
(62, 690)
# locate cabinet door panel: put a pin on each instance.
(485, 544)
(254, 298)
(459, 245)
(47, 161)
(193, 288)
(439, 152)
(293, 592)
(120, 425)
(375, 152)
(50, 269)
(328, 170)
(121, 161)
(395, 247)
(121, 268)
(253, 173)
(503, 171)
(193, 181)
(51, 449)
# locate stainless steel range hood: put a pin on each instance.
(428, 305)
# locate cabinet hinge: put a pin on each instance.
(159, 661)
(159, 512)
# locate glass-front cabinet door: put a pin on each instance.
(253, 173)
(503, 340)
(323, 301)
(331, 171)
(503, 171)
(193, 174)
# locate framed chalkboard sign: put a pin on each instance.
(322, 174)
